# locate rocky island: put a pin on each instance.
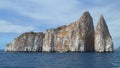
(78, 36)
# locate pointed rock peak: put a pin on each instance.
(102, 18)
(102, 22)
(103, 40)
(86, 15)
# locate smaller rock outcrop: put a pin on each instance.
(103, 40)
(27, 42)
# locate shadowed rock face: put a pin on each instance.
(86, 30)
(75, 37)
(27, 42)
(103, 40)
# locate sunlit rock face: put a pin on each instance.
(27, 42)
(103, 40)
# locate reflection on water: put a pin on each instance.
(59, 60)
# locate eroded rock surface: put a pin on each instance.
(103, 40)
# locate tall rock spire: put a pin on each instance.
(87, 31)
(103, 40)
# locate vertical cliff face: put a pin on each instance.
(103, 40)
(75, 37)
(27, 42)
(48, 43)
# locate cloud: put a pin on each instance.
(55, 11)
(7, 27)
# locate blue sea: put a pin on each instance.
(59, 60)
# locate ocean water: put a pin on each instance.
(59, 60)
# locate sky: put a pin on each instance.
(19, 16)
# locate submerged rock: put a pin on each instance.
(103, 40)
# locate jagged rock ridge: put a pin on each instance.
(75, 37)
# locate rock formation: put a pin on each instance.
(75, 37)
(27, 42)
(103, 40)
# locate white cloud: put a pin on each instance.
(6, 27)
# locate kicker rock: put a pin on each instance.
(27, 42)
(78, 36)
(103, 40)
(75, 37)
